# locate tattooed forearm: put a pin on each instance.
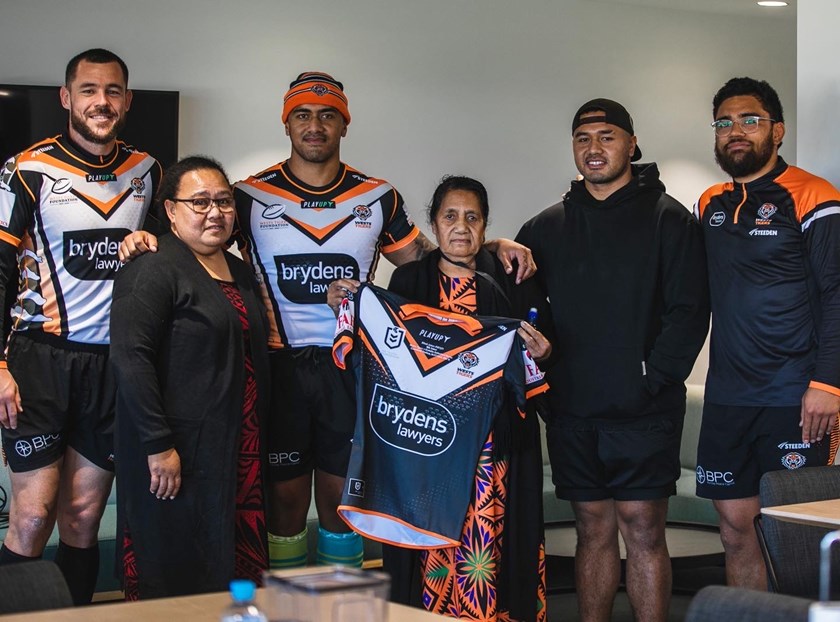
(422, 246)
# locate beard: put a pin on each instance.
(746, 163)
(78, 123)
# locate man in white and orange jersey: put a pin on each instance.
(304, 223)
(65, 205)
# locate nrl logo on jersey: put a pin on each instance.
(394, 337)
(765, 213)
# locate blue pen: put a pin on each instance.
(532, 316)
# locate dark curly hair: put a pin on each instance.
(759, 89)
(168, 189)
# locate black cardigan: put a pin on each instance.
(178, 357)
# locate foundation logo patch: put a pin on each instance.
(60, 186)
(411, 423)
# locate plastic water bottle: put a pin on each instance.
(242, 609)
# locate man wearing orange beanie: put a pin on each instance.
(304, 224)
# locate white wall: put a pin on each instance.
(818, 88)
(481, 87)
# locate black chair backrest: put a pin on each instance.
(32, 586)
(794, 549)
(717, 602)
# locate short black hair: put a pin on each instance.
(761, 90)
(171, 180)
(99, 56)
(449, 183)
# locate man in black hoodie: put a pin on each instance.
(623, 266)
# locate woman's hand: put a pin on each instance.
(165, 469)
(538, 346)
(338, 290)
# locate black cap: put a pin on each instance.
(613, 113)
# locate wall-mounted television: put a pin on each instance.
(29, 114)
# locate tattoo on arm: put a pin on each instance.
(422, 246)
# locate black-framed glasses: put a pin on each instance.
(748, 125)
(202, 205)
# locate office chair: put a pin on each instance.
(792, 551)
(32, 586)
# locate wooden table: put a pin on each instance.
(816, 513)
(201, 608)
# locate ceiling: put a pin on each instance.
(728, 7)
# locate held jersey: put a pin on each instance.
(299, 239)
(66, 212)
(429, 384)
(773, 248)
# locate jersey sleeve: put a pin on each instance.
(821, 232)
(156, 221)
(19, 193)
(344, 327)
(523, 374)
(399, 230)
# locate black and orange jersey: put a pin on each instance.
(429, 384)
(299, 239)
(63, 214)
(773, 248)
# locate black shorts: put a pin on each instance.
(67, 392)
(738, 444)
(625, 460)
(313, 413)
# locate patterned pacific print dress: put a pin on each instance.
(461, 581)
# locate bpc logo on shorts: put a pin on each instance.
(793, 460)
(23, 448)
(714, 478)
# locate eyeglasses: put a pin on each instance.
(748, 125)
(203, 205)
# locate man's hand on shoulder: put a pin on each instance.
(819, 414)
(135, 244)
(508, 250)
